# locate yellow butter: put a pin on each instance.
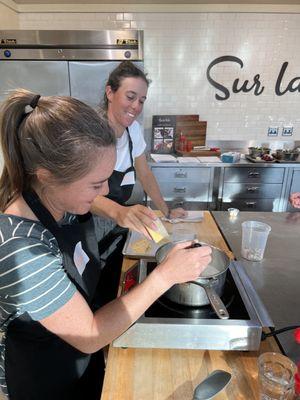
(161, 232)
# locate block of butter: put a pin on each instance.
(159, 234)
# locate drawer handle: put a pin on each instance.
(180, 174)
(179, 190)
(252, 189)
(253, 174)
(250, 204)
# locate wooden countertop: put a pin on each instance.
(171, 374)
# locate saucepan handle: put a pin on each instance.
(215, 300)
(194, 244)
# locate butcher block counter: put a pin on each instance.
(172, 374)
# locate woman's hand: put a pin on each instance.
(184, 264)
(295, 199)
(177, 213)
(136, 218)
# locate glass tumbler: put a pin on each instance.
(276, 374)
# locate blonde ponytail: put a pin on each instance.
(58, 133)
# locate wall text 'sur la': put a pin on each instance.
(246, 86)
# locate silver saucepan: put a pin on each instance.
(206, 289)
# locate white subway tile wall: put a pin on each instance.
(178, 50)
(8, 18)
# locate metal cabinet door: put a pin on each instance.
(182, 174)
(246, 190)
(43, 77)
(254, 174)
(252, 204)
(188, 191)
(187, 187)
(181, 202)
(88, 79)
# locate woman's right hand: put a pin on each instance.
(183, 264)
(295, 199)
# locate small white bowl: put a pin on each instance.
(233, 212)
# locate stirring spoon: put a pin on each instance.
(212, 385)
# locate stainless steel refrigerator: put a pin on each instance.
(73, 63)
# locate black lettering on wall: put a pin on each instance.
(293, 85)
(214, 83)
(244, 87)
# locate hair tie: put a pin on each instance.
(34, 102)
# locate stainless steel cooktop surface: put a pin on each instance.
(169, 325)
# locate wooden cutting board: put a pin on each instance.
(192, 128)
(195, 131)
(200, 153)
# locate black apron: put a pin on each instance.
(38, 364)
(117, 192)
(111, 245)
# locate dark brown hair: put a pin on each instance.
(61, 134)
(126, 69)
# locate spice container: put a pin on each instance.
(189, 145)
(182, 142)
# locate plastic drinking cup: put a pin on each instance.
(276, 376)
(254, 239)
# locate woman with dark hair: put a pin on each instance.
(125, 95)
(58, 155)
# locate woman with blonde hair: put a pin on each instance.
(58, 155)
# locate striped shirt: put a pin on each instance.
(32, 277)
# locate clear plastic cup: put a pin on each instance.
(254, 240)
(276, 376)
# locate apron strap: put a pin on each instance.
(130, 146)
(43, 215)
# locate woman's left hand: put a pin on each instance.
(136, 218)
(177, 213)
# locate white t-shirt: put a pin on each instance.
(138, 146)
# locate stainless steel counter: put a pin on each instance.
(241, 163)
(277, 277)
(217, 186)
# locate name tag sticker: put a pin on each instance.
(80, 258)
(128, 179)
